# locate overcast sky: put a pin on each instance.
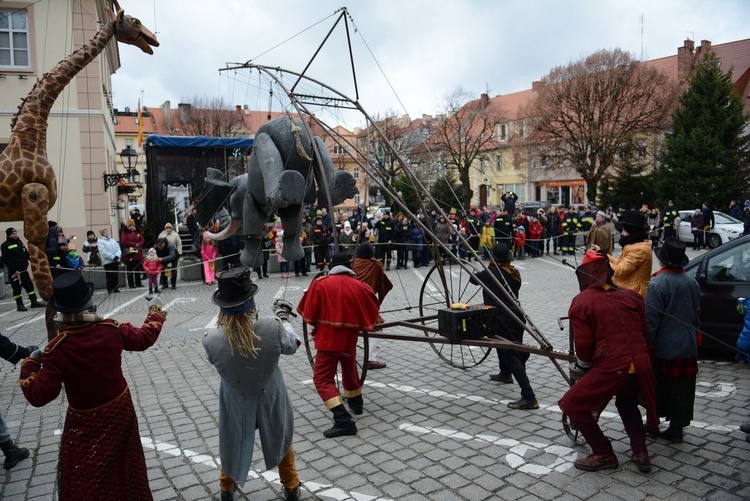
(426, 49)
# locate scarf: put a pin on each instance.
(80, 317)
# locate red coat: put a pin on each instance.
(338, 307)
(132, 239)
(609, 331)
(535, 230)
(87, 358)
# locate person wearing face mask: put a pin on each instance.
(632, 269)
(74, 260)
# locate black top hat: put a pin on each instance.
(235, 288)
(500, 252)
(672, 253)
(70, 293)
(632, 219)
(340, 258)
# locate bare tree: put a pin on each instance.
(591, 113)
(210, 117)
(464, 129)
(385, 162)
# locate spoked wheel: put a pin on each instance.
(363, 351)
(444, 285)
(571, 431)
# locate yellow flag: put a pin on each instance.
(140, 125)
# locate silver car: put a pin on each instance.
(725, 228)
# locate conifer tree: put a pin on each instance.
(706, 153)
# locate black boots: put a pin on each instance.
(19, 305)
(13, 454)
(355, 404)
(291, 495)
(36, 304)
(342, 423)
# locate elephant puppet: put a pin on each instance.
(281, 177)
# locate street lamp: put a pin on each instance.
(129, 159)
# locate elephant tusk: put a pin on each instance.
(226, 232)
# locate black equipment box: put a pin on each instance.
(471, 323)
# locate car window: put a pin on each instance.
(687, 217)
(724, 219)
(730, 266)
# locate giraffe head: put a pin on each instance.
(129, 30)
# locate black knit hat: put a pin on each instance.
(9, 231)
(364, 251)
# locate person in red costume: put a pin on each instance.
(101, 456)
(338, 306)
(609, 331)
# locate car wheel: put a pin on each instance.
(714, 240)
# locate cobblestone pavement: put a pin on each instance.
(429, 431)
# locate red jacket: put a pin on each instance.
(152, 267)
(87, 358)
(338, 307)
(535, 230)
(132, 239)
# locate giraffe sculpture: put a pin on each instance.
(28, 188)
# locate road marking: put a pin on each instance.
(724, 389)
(179, 300)
(125, 304)
(494, 402)
(281, 293)
(517, 450)
(327, 490)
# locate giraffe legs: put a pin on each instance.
(35, 204)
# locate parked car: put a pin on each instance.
(532, 207)
(725, 228)
(723, 275)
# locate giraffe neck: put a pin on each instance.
(29, 126)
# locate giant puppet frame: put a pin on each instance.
(465, 353)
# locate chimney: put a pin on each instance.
(685, 61)
(536, 85)
(705, 47)
(238, 109)
(484, 100)
(245, 107)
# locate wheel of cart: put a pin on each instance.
(575, 375)
(363, 351)
(445, 284)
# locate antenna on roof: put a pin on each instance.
(643, 20)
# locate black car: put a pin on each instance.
(723, 275)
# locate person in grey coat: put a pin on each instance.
(672, 315)
(245, 351)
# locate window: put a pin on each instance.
(14, 39)
(356, 173)
(338, 149)
(499, 162)
(503, 132)
(136, 120)
(356, 199)
(520, 129)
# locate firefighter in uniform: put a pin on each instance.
(504, 228)
(16, 258)
(670, 214)
(571, 225)
(386, 229)
(473, 230)
(587, 221)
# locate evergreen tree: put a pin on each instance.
(448, 192)
(706, 154)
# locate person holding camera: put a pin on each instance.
(110, 252)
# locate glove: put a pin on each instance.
(283, 309)
(23, 352)
(155, 304)
(36, 354)
(115, 259)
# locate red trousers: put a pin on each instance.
(324, 374)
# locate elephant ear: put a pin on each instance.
(213, 197)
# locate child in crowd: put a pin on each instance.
(208, 255)
(519, 242)
(283, 263)
(75, 262)
(488, 238)
(152, 267)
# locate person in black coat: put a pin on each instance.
(168, 256)
(13, 353)
(506, 324)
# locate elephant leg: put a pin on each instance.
(253, 227)
(290, 220)
(342, 187)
